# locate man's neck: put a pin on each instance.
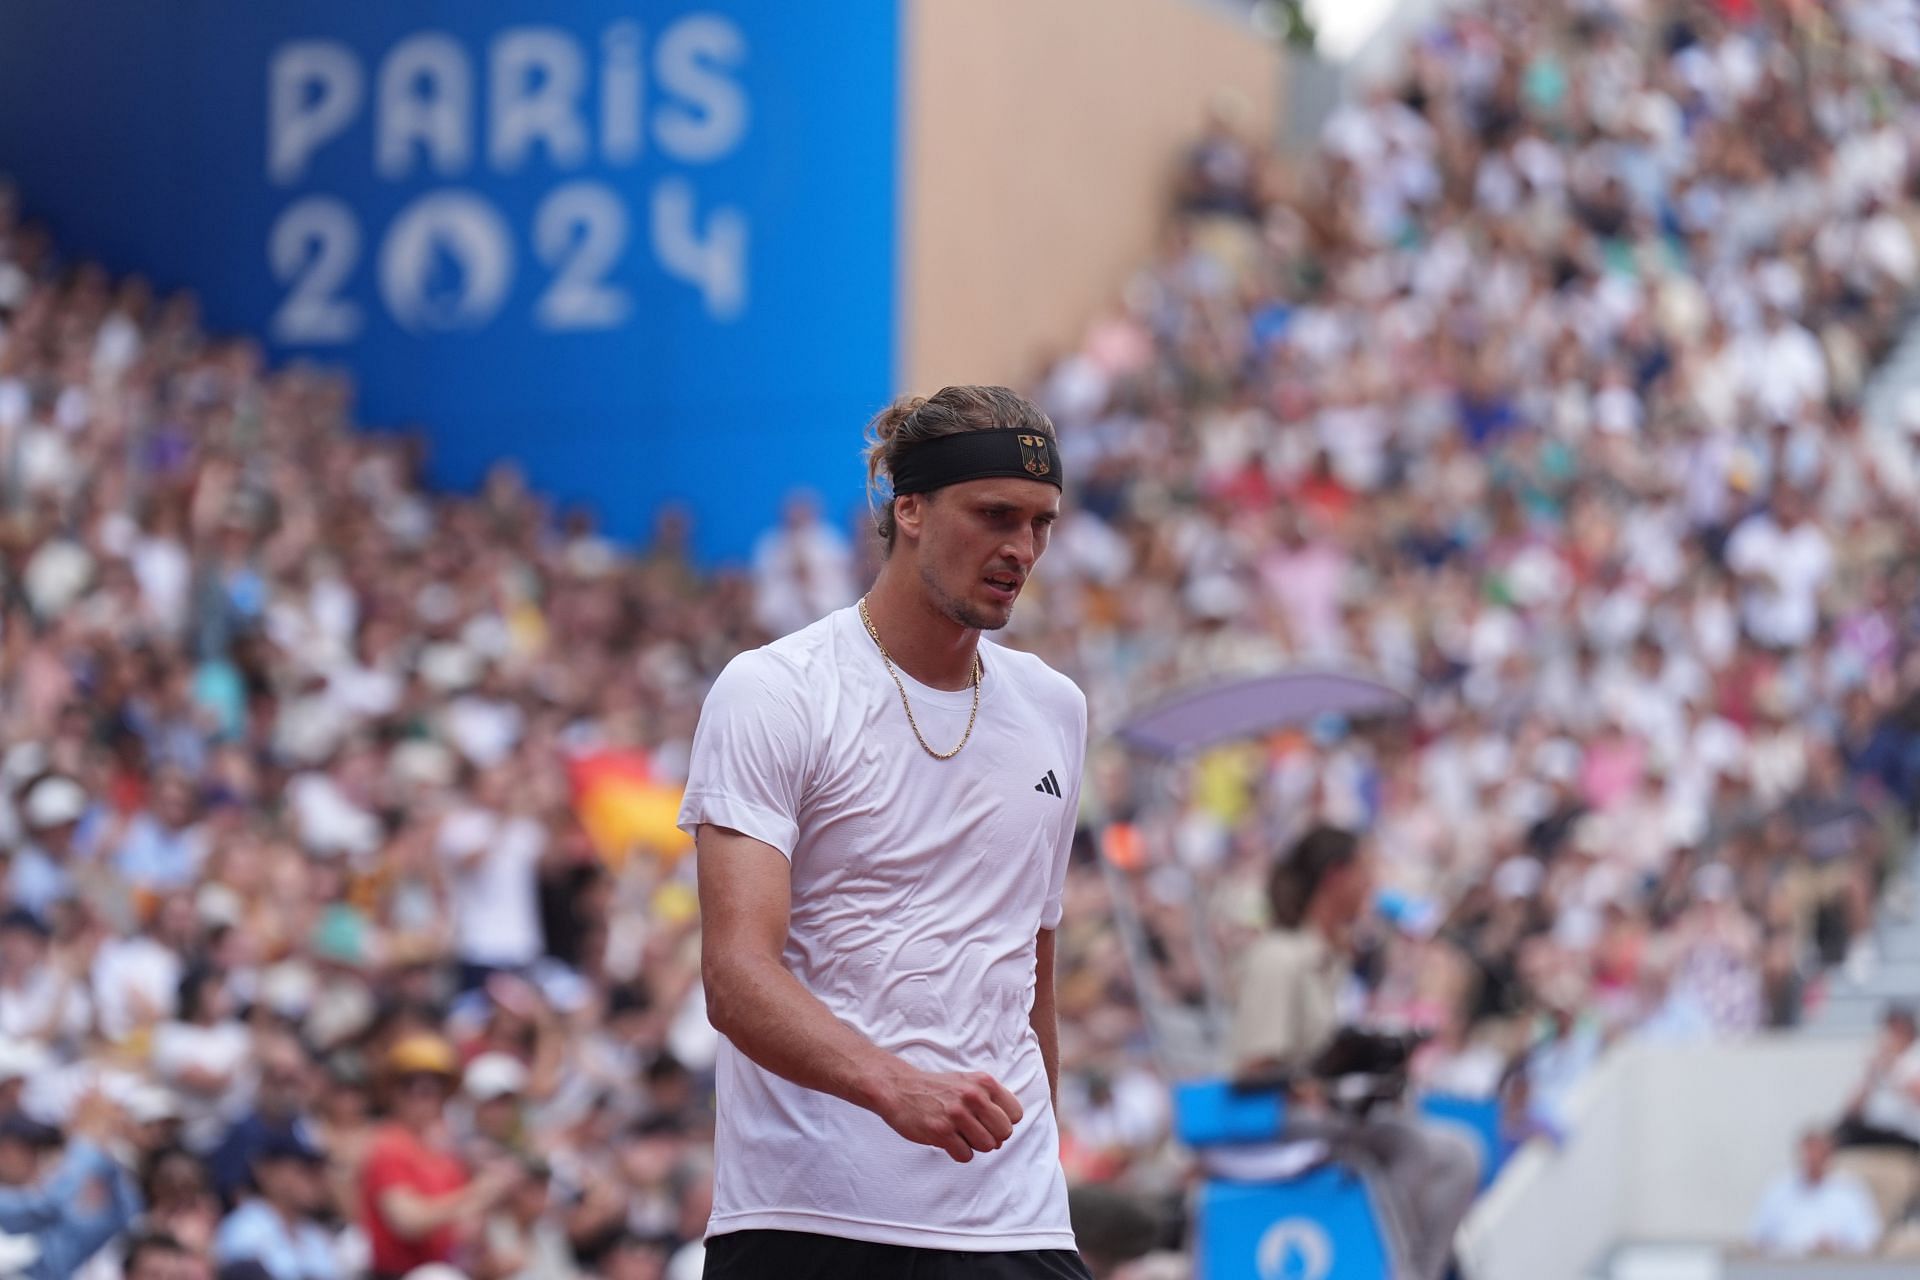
(1331, 931)
(922, 641)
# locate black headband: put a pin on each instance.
(976, 455)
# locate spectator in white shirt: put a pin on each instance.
(206, 1056)
(1784, 559)
(1812, 1211)
(40, 999)
(492, 853)
(1885, 1108)
(802, 571)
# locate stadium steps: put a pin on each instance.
(1887, 967)
(1892, 385)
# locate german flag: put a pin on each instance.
(624, 808)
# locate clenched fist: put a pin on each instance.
(960, 1112)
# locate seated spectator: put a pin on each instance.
(40, 1000)
(40, 874)
(281, 1106)
(157, 1256)
(802, 570)
(163, 845)
(279, 1227)
(524, 1239)
(1885, 1108)
(1879, 1134)
(204, 1056)
(1814, 1210)
(494, 1084)
(1286, 1018)
(83, 1201)
(180, 1200)
(419, 1203)
(632, 1258)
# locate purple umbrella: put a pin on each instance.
(1253, 707)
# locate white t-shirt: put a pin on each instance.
(1797, 1219)
(496, 897)
(1783, 609)
(223, 1049)
(919, 887)
(1892, 1104)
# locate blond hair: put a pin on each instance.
(949, 411)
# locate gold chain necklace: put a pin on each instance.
(887, 658)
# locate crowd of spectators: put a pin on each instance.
(1539, 391)
(1535, 390)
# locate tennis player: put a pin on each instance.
(883, 804)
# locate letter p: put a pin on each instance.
(314, 89)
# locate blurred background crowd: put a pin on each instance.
(1534, 389)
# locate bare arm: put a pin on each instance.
(414, 1216)
(752, 999)
(1046, 1024)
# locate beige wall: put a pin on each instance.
(1040, 136)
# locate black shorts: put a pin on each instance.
(801, 1255)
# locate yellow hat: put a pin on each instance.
(423, 1052)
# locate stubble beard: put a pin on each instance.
(958, 611)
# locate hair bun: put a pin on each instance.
(891, 419)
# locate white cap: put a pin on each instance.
(494, 1075)
(54, 802)
(289, 988)
(219, 904)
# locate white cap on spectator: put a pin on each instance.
(219, 905)
(494, 1075)
(54, 802)
(289, 988)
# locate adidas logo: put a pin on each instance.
(1048, 784)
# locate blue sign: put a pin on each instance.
(1320, 1226)
(643, 247)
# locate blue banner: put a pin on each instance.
(643, 247)
(1322, 1225)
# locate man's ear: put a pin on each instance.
(910, 513)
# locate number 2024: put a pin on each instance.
(447, 260)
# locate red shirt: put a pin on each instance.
(396, 1158)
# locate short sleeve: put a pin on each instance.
(751, 752)
(239, 1237)
(1266, 1025)
(388, 1165)
(1745, 549)
(1069, 822)
(172, 1051)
